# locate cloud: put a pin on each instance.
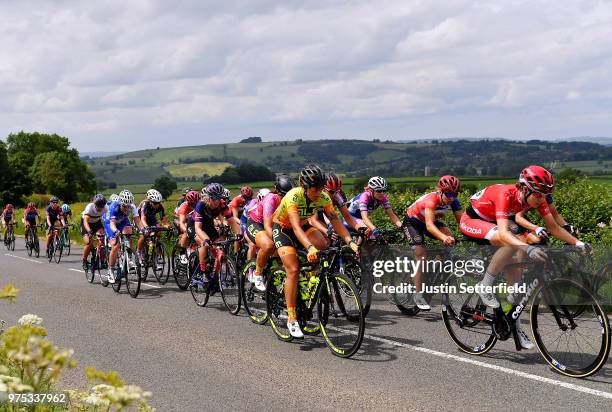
(98, 71)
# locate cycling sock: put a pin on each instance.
(291, 314)
(257, 270)
(488, 279)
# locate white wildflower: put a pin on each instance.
(601, 225)
(30, 320)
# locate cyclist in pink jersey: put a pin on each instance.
(422, 219)
(490, 220)
(374, 196)
(259, 225)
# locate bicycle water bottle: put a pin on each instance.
(313, 282)
(303, 286)
(150, 248)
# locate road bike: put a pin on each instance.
(254, 300)
(32, 243)
(180, 269)
(331, 298)
(155, 255)
(9, 240)
(128, 266)
(570, 328)
(96, 261)
(56, 247)
(65, 238)
(221, 276)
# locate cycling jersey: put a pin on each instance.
(431, 201)
(365, 202)
(121, 218)
(500, 202)
(206, 216)
(91, 211)
(180, 202)
(296, 201)
(146, 210)
(7, 214)
(245, 211)
(54, 213)
(184, 209)
(238, 203)
(30, 214)
(265, 208)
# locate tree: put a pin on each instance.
(165, 185)
(569, 175)
(253, 139)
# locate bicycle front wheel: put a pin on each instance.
(90, 273)
(132, 274)
(57, 250)
(276, 306)
(229, 286)
(159, 263)
(180, 271)
(571, 330)
(341, 315)
(254, 300)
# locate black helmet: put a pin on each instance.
(284, 183)
(215, 191)
(99, 200)
(312, 176)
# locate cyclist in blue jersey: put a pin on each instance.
(374, 196)
(116, 221)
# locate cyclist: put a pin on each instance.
(333, 187)
(67, 213)
(55, 220)
(253, 205)
(116, 220)
(211, 206)
(291, 229)
(8, 218)
(539, 234)
(113, 198)
(91, 223)
(148, 210)
(422, 218)
(227, 195)
(373, 196)
(490, 220)
(259, 225)
(182, 198)
(31, 217)
(184, 222)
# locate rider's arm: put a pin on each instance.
(338, 226)
(557, 231)
(86, 223)
(234, 225)
(366, 220)
(199, 232)
(430, 218)
(458, 215)
(523, 222)
(555, 213)
(349, 218)
(393, 217)
(317, 224)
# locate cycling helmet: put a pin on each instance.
(537, 179)
(215, 191)
(377, 183)
(312, 176)
(333, 183)
(192, 197)
(54, 199)
(65, 208)
(9, 206)
(262, 193)
(154, 196)
(126, 197)
(31, 205)
(449, 184)
(246, 192)
(284, 183)
(99, 200)
(227, 194)
(114, 197)
(187, 190)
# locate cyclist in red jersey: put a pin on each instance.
(490, 220)
(422, 219)
(539, 234)
(183, 218)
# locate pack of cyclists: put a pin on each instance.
(303, 214)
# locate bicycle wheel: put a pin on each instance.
(67, 243)
(180, 271)
(276, 307)
(37, 246)
(254, 300)
(159, 263)
(200, 290)
(362, 280)
(29, 246)
(341, 315)
(229, 284)
(575, 346)
(90, 273)
(132, 273)
(57, 250)
(467, 320)
(12, 241)
(118, 278)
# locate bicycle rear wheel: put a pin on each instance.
(57, 250)
(67, 244)
(229, 284)
(132, 274)
(254, 300)
(276, 307)
(362, 280)
(29, 246)
(90, 273)
(467, 320)
(573, 345)
(341, 315)
(36, 246)
(200, 290)
(159, 263)
(180, 271)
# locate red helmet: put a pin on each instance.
(9, 206)
(246, 192)
(333, 183)
(449, 183)
(537, 179)
(192, 197)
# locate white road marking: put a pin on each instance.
(153, 286)
(22, 258)
(75, 270)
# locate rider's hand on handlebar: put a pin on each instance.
(312, 254)
(541, 232)
(536, 253)
(449, 241)
(585, 248)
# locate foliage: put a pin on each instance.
(254, 139)
(246, 172)
(568, 175)
(165, 185)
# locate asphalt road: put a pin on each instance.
(195, 358)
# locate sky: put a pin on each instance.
(119, 76)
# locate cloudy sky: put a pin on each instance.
(122, 75)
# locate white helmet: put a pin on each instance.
(154, 196)
(262, 193)
(226, 193)
(126, 197)
(114, 197)
(377, 183)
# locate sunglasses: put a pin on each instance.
(380, 191)
(450, 195)
(217, 198)
(156, 203)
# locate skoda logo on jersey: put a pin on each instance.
(471, 230)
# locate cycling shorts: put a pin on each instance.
(416, 230)
(283, 236)
(94, 226)
(110, 235)
(253, 228)
(481, 231)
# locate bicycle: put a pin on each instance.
(222, 275)
(180, 270)
(475, 328)
(32, 243)
(9, 240)
(155, 255)
(254, 300)
(129, 267)
(65, 237)
(94, 265)
(56, 248)
(333, 296)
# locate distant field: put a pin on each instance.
(197, 169)
(586, 166)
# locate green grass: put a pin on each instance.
(197, 169)
(586, 166)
